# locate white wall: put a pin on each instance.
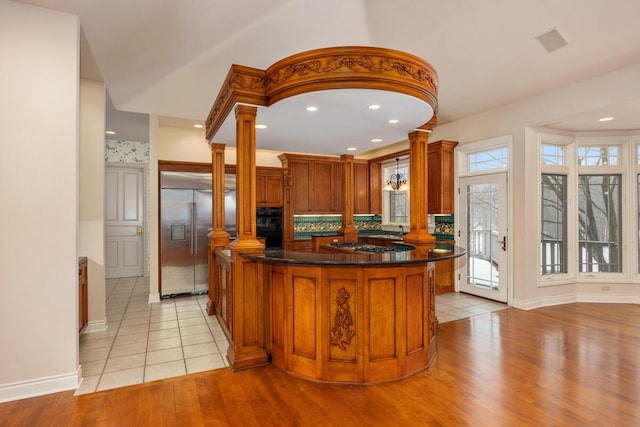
(185, 145)
(39, 201)
(190, 145)
(91, 215)
(154, 223)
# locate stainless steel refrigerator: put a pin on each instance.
(185, 222)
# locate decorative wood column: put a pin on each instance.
(347, 229)
(418, 190)
(219, 237)
(247, 347)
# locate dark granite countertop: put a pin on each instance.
(437, 253)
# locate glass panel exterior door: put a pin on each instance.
(483, 228)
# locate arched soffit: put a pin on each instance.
(352, 67)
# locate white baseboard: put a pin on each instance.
(568, 299)
(611, 299)
(40, 386)
(543, 302)
(96, 326)
(155, 297)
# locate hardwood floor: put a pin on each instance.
(569, 365)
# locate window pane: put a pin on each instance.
(488, 160)
(395, 196)
(597, 156)
(399, 207)
(552, 154)
(599, 217)
(553, 246)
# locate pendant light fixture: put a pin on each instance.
(397, 181)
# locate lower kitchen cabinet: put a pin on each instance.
(445, 275)
(301, 245)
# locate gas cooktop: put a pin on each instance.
(363, 247)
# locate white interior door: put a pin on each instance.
(124, 222)
(483, 231)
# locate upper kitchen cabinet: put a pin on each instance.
(361, 187)
(441, 174)
(375, 188)
(269, 187)
(315, 183)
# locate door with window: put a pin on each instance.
(483, 231)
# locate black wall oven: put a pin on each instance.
(269, 226)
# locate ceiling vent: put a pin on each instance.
(551, 40)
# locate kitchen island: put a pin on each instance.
(358, 318)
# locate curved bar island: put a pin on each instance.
(337, 314)
(352, 317)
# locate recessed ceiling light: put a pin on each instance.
(312, 108)
(352, 148)
(261, 126)
(110, 132)
(393, 121)
(376, 139)
(606, 119)
(198, 126)
(374, 107)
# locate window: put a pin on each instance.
(599, 217)
(399, 207)
(554, 180)
(597, 156)
(488, 160)
(395, 202)
(553, 243)
(552, 154)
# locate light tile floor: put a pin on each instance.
(147, 342)
(454, 306)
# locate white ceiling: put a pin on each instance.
(169, 57)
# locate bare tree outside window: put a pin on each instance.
(599, 217)
(553, 244)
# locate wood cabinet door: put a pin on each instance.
(269, 192)
(273, 191)
(322, 199)
(301, 172)
(375, 188)
(440, 177)
(361, 202)
(261, 192)
(337, 189)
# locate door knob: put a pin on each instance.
(139, 232)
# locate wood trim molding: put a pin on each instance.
(242, 85)
(350, 67)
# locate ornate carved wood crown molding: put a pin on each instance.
(242, 85)
(353, 67)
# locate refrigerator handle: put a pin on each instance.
(192, 207)
(194, 228)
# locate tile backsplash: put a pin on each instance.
(306, 225)
(444, 227)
